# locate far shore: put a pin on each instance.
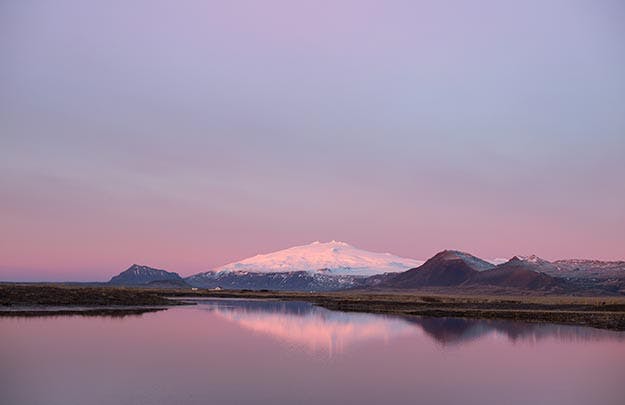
(598, 312)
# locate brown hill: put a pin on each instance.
(446, 268)
(517, 273)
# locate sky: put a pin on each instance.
(189, 134)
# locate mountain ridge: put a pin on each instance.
(337, 266)
(334, 256)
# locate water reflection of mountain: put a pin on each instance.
(315, 328)
(460, 330)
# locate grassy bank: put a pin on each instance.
(86, 312)
(58, 295)
(599, 312)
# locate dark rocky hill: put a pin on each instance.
(141, 275)
(446, 268)
(521, 274)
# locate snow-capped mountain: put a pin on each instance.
(522, 272)
(451, 268)
(333, 257)
(317, 266)
(497, 260)
(534, 263)
(528, 259)
(591, 267)
(592, 273)
(280, 281)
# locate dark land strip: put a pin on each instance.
(35, 300)
(598, 312)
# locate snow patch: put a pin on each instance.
(333, 257)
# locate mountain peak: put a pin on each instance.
(533, 259)
(140, 274)
(336, 256)
(446, 268)
(452, 254)
(515, 259)
(332, 242)
(136, 266)
(475, 262)
(533, 263)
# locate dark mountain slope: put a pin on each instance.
(446, 268)
(517, 273)
(140, 275)
(278, 281)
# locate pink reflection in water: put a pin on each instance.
(319, 330)
(255, 353)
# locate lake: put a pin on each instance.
(269, 352)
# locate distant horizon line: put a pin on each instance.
(495, 261)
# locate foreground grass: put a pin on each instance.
(85, 312)
(30, 298)
(599, 312)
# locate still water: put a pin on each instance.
(267, 352)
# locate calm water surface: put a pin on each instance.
(265, 352)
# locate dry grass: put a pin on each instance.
(601, 312)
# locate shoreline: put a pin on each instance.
(598, 312)
(109, 312)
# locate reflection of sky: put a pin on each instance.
(181, 134)
(190, 356)
(319, 329)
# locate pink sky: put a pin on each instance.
(190, 137)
